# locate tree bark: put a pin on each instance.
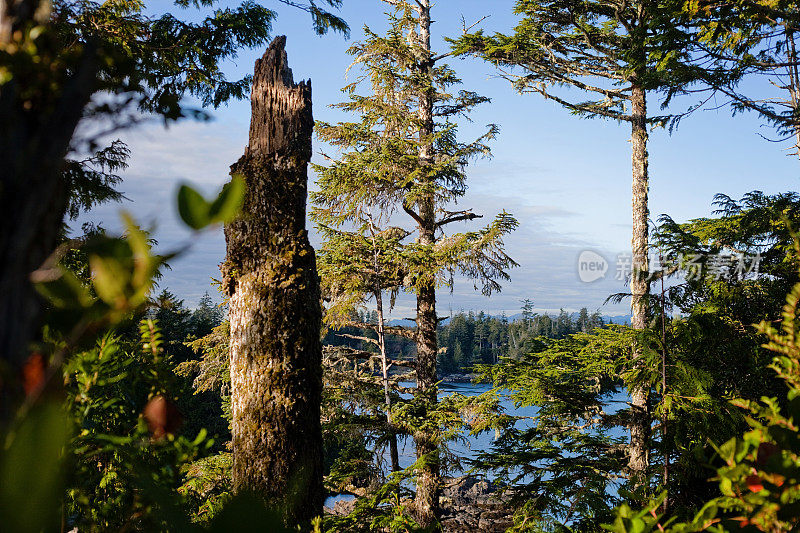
(794, 83)
(394, 455)
(639, 459)
(270, 275)
(37, 122)
(426, 501)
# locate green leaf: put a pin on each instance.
(198, 213)
(193, 208)
(31, 477)
(66, 291)
(637, 525)
(229, 201)
(110, 279)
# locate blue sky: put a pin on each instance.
(566, 179)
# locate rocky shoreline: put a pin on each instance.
(469, 504)
(459, 378)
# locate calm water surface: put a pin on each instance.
(465, 448)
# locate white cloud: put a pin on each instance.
(201, 153)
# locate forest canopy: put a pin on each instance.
(337, 374)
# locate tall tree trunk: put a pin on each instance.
(794, 83)
(35, 133)
(639, 458)
(394, 454)
(387, 397)
(428, 477)
(275, 315)
(426, 502)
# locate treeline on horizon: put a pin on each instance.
(471, 338)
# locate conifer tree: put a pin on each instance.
(617, 53)
(756, 40)
(355, 267)
(403, 156)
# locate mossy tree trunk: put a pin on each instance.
(426, 501)
(37, 122)
(275, 315)
(639, 458)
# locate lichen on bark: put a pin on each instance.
(275, 316)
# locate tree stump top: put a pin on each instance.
(281, 108)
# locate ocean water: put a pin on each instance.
(465, 448)
(470, 445)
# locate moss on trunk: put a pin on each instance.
(275, 316)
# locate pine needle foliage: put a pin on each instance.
(380, 171)
(565, 464)
(758, 477)
(400, 158)
(120, 475)
(601, 50)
